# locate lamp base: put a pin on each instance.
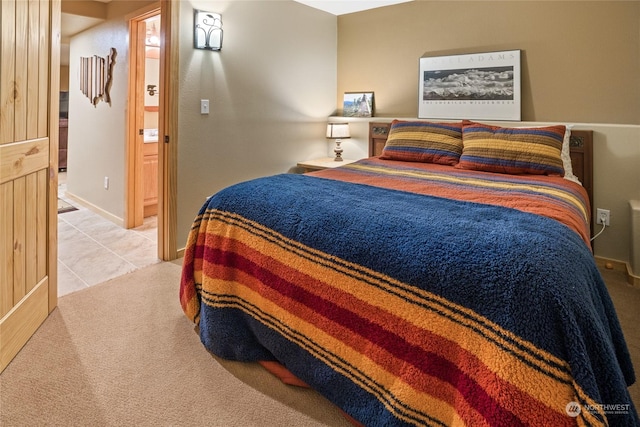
(338, 151)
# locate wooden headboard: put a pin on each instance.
(581, 144)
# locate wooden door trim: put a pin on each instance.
(134, 210)
(55, 20)
(168, 130)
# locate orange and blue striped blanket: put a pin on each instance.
(404, 307)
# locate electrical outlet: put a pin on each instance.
(106, 182)
(603, 214)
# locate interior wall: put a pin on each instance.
(64, 78)
(97, 132)
(151, 77)
(580, 59)
(580, 62)
(616, 154)
(271, 89)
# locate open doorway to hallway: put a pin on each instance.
(92, 249)
(143, 133)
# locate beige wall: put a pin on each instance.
(580, 59)
(271, 89)
(580, 62)
(616, 181)
(64, 78)
(152, 77)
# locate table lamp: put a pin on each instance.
(338, 131)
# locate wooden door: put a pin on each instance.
(168, 128)
(29, 86)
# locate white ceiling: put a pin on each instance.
(341, 7)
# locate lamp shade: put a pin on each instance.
(338, 130)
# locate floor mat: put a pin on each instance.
(65, 207)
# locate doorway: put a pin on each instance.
(83, 228)
(167, 115)
(151, 89)
(144, 177)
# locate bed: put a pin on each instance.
(441, 281)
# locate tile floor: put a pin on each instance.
(92, 249)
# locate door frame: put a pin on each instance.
(167, 126)
(168, 121)
(54, 133)
(135, 117)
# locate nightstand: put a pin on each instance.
(322, 163)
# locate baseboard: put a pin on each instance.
(181, 253)
(98, 210)
(622, 266)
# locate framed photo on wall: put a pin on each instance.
(358, 104)
(472, 86)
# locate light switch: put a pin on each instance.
(204, 106)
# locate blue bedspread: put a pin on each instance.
(406, 309)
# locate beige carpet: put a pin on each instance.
(122, 354)
(626, 299)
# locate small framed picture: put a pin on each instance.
(358, 104)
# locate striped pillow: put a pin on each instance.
(535, 151)
(425, 142)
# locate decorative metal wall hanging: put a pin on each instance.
(96, 74)
(207, 30)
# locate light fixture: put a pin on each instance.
(152, 39)
(338, 131)
(207, 30)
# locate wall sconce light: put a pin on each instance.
(338, 131)
(151, 89)
(207, 30)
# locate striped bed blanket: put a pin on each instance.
(404, 307)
